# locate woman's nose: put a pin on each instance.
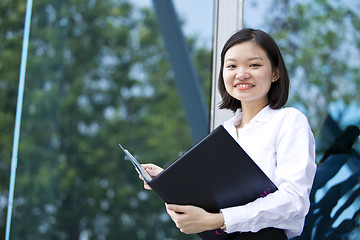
(242, 76)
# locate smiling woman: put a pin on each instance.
(253, 79)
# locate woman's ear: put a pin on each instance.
(275, 75)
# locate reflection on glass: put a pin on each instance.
(97, 75)
(319, 41)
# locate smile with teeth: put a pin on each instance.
(244, 85)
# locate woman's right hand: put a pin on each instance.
(153, 170)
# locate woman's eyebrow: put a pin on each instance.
(251, 58)
(230, 60)
(256, 58)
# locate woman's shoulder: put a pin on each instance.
(291, 114)
(291, 111)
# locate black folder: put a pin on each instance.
(216, 173)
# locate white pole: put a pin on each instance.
(14, 158)
(228, 20)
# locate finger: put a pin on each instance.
(153, 172)
(177, 208)
(170, 211)
(152, 167)
(172, 215)
(146, 166)
(147, 187)
(149, 166)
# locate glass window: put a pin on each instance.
(320, 43)
(98, 74)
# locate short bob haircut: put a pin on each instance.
(279, 90)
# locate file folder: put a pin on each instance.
(215, 173)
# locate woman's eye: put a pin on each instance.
(231, 66)
(255, 65)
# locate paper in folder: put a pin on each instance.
(216, 173)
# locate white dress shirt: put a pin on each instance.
(282, 144)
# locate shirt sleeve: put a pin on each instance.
(294, 175)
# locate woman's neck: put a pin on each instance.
(249, 112)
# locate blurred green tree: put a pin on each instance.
(320, 41)
(97, 75)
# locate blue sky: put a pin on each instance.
(199, 16)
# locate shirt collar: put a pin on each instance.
(263, 116)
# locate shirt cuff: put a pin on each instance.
(231, 225)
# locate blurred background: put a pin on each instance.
(98, 74)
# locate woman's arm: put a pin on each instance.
(294, 173)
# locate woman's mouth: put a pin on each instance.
(243, 86)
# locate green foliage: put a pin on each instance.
(97, 75)
(320, 42)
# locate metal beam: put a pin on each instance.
(14, 158)
(186, 79)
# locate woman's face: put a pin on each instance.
(248, 74)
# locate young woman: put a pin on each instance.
(253, 79)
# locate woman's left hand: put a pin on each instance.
(191, 219)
